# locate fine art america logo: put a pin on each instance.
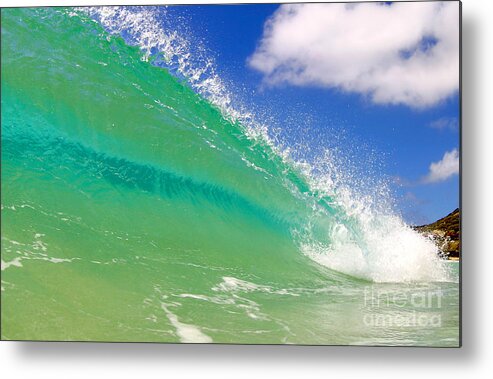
(387, 308)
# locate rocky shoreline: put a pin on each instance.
(445, 233)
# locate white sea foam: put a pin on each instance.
(250, 307)
(36, 250)
(16, 262)
(186, 332)
(367, 239)
(212, 299)
(231, 284)
(390, 252)
(233, 290)
(58, 260)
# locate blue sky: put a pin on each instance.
(405, 126)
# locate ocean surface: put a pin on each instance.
(138, 205)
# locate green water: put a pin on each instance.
(132, 210)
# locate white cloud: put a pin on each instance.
(445, 168)
(403, 53)
(450, 123)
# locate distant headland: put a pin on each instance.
(445, 233)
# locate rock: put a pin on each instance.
(445, 233)
(439, 233)
(453, 246)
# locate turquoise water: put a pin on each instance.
(136, 208)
